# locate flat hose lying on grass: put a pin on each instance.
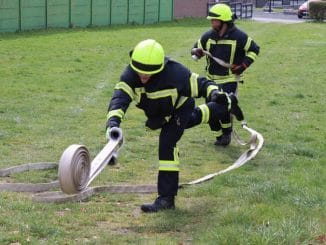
(43, 195)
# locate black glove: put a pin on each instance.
(198, 52)
(235, 109)
(219, 97)
(113, 160)
(112, 122)
(238, 69)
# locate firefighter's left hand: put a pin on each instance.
(219, 97)
(112, 133)
(238, 69)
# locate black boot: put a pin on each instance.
(162, 202)
(223, 140)
(235, 108)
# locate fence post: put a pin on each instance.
(144, 11)
(128, 7)
(69, 14)
(110, 21)
(46, 14)
(172, 10)
(19, 15)
(159, 10)
(91, 13)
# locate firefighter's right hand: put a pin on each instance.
(198, 52)
(110, 124)
(238, 69)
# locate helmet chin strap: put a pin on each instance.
(223, 29)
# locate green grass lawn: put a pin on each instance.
(54, 90)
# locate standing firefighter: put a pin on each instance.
(164, 89)
(231, 45)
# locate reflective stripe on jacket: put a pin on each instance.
(161, 95)
(235, 47)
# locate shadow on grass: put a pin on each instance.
(182, 219)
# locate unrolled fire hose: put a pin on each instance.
(76, 172)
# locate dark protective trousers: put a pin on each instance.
(187, 116)
(230, 87)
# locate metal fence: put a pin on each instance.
(243, 9)
(19, 15)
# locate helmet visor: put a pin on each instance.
(145, 68)
(213, 16)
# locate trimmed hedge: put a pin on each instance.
(317, 9)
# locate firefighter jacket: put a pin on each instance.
(164, 93)
(234, 47)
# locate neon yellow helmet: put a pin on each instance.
(221, 12)
(147, 57)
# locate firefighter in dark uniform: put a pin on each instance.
(226, 42)
(164, 89)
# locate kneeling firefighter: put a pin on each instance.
(165, 90)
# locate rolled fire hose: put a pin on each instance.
(78, 187)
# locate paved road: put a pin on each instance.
(276, 17)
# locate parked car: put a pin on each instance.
(303, 10)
